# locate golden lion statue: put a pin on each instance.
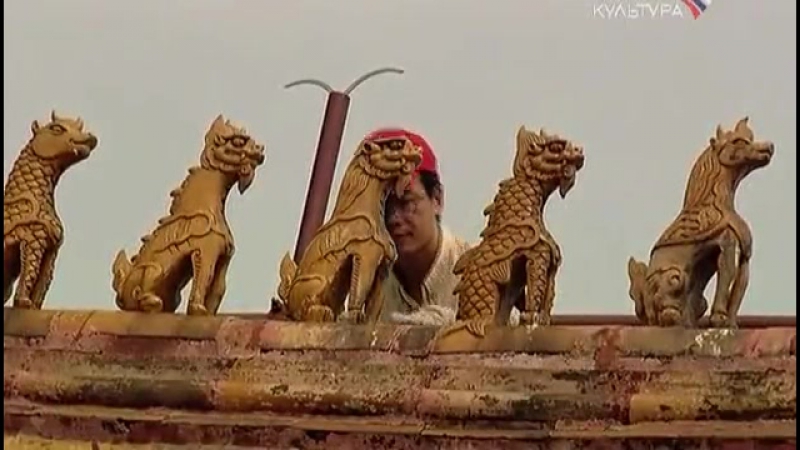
(193, 242)
(352, 252)
(516, 262)
(32, 231)
(703, 240)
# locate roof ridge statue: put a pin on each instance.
(703, 240)
(32, 231)
(515, 263)
(352, 253)
(194, 241)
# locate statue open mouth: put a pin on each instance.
(397, 189)
(766, 152)
(567, 181)
(246, 177)
(84, 147)
(401, 185)
(81, 151)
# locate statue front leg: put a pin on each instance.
(726, 273)
(365, 265)
(31, 256)
(42, 284)
(203, 262)
(218, 284)
(374, 304)
(737, 292)
(537, 273)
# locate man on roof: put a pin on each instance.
(420, 287)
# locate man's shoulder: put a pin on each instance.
(454, 245)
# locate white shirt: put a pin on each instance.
(438, 306)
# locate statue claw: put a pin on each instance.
(23, 303)
(150, 303)
(477, 327)
(354, 316)
(528, 318)
(669, 317)
(196, 309)
(719, 320)
(319, 313)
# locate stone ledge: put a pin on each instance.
(32, 442)
(102, 331)
(527, 388)
(177, 379)
(176, 427)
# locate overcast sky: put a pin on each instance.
(642, 95)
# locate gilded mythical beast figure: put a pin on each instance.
(352, 252)
(516, 262)
(32, 231)
(194, 241)
(703, 240)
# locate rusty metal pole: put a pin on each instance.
(328, 145)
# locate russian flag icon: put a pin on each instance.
(697, 7)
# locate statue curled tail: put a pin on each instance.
(299, 294)
(288, 272)
(120, 271)
(137, 299)
(637, 275)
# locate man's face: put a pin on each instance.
(411, 219)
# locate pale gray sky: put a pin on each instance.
(643, 96)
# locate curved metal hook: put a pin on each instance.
(369, 75)
(325, 86)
